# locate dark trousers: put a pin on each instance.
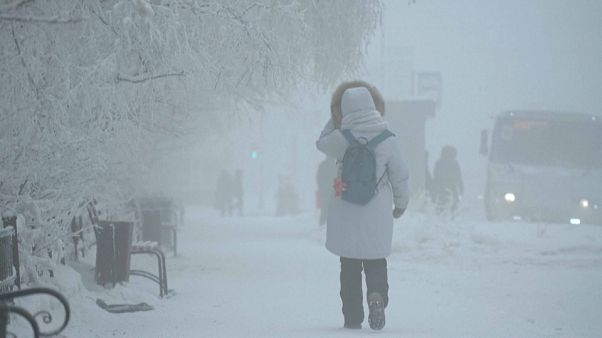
(351, 285)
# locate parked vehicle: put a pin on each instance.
(544, 166)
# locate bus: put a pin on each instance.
(544, 166)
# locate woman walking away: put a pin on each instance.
(360, 220)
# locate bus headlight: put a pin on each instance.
(510, 197)
(584, 203)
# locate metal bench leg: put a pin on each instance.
(163, 272)
(160, 268)
(175, 242)
(161, 277)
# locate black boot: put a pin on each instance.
(376, 304)
(353, 326)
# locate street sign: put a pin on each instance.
(430, 85)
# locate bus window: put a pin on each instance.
(575, 144)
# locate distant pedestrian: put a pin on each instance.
(448, 185)
(287, 200)
(362, 234)
(223, 193)
(238, 192)
(428, 178)
(327, 171)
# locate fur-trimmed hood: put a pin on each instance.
(337, 98)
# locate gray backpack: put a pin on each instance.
(359, 168)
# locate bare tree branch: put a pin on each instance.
(29, 77)
(50, 19)
(13, 5)
(22, 186)
(139, 79)
(102, 19)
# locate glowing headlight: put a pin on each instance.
(510, 197)
(575, 221)
(584, 203)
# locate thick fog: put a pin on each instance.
(139, 115)
(493, 57)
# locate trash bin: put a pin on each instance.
(113, 246)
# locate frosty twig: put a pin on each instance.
(139, 79)
(50, 20)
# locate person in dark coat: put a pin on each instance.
(428, 178)
(223, 193)
(238, 192)
(447, 180)
(287, 199)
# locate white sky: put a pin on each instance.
(493, 55)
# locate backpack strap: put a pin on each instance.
(379, 138)
(349, 136)
(381, 178)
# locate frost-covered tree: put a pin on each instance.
(93, 91)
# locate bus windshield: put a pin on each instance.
(566, 144)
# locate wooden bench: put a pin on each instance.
(158, 220)
(7, 308)
(114, 250)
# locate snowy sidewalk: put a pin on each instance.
(272, 277)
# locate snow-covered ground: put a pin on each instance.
(263, 276)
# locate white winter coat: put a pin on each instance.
(364, 231)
